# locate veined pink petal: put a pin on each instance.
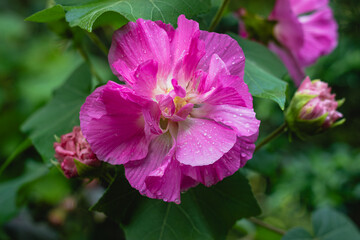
(183, 113)
(226, 48)
(217, 68)
(145, 78)
(240, 86)
(224, 167)
(185, 33)
(223, 95)
(136, 43)
(146, 175)
(288, 29)
(164, 182)
(152, 114)
(320, 31)
(197, 141)
(304, 6)
(117, 135)
(241, 119)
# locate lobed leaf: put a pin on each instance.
(61, 114)
(48, 15)
(84, 13)
(204, 213)
(327, 225)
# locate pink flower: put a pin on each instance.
(185, 115)
(312, 109)
(74, 146)
(323, 102)
(306, 29)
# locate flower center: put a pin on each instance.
(179, 103)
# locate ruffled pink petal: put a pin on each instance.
(222, 95)
(152, 175)
(166, 105)
(218, 77)
(169, 29)
(305, 6)
(320, 31)
(217, 68)
(240, 86)
(145, 78)
(111, 120)
(198, 141)
(288, 30)
(69, 168)
(152, 114)
(240, 119)
(291, 63)
(225, 166)
(185, 34)
(178, 90)
(226, 48)
(183, 112)
(136, 43)
(164, 182)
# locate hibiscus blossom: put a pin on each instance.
(184, 116)
(306, 30)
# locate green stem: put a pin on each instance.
(272, 136)
(20, 149)
(96, 40)
(218, 15)
(267, 226)
(87, 60)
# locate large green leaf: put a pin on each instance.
(10, 188)
(204, 213)
(262, 56)
(327, 225)
(262, 72)
(61, 114)
(47, 15)
(83, 13)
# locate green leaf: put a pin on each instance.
(87, 171)
(327, 225)
(264, 85)
(10, 188)
(204, 213)
(48, 15)
(61, 114)
(262, 56)
(83, 13)
(262, 69)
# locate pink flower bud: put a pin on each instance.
(72, 146)
(312, 109)
(323, 103)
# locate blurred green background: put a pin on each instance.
(289, 179)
